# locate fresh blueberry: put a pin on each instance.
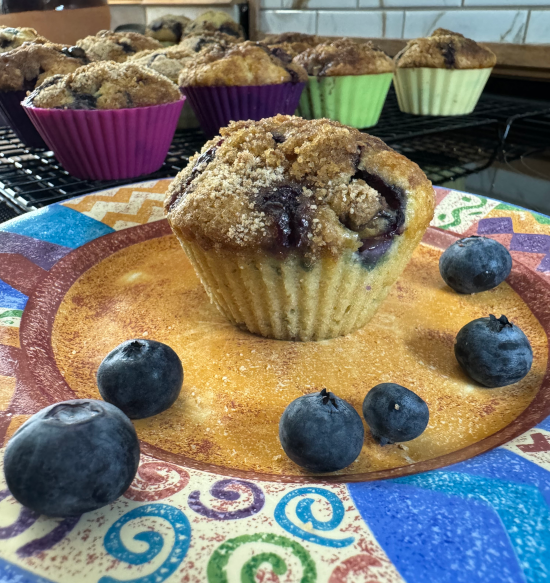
(475, 264)
(72, 457)
(141, 377)
(493, 351)
(394, 413)
(321, 432)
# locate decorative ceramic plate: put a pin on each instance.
(215, 499)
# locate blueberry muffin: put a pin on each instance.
(198, 41)
(11, 38)
(105, 85)
(168, 28)
(292, 43)
(443, 74)
(116, 46)
(348, 81)
(27, 67)
(215, 21)
(167, 61)
(247, 63)
(298, 228)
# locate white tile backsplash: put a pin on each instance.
(506, 3)
(271, 4)
(360, 23)
(323, 4)
(481, 25)
(277, 21)
(538, 30)
(414, 3)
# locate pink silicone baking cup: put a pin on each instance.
(18, 120)
(109, 144)
(215, 107)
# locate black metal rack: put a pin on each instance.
(446, 148)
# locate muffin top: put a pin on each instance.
(116, 46)
(168, 62)
(248, 63)
(27, 67)
(344, 57)
(215, 21)
(445, 50)
(11, 38)
(197, 41)
(292, 37)
(168, 28)
(284, 183)
(105, 85)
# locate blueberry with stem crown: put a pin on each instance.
(475, 264)
(394, 413)
(493, 351)
(321, 432)
(72, 457)
(141, 377)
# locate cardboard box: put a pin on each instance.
(62, 26)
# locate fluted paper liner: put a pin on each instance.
(425, 91)
(215, 107)
(354, 100)
(109, 144)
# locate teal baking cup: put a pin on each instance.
(354, 100)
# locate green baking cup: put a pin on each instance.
(354, 100)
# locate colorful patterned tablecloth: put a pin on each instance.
(482, 520)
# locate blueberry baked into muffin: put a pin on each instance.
(167, 61)
(298, 228)
(116, 46)
(215, 21)
(13, 37)
(292, 43)
(168, 28)
(246, 80)
(348, 81)
(25, 68)
(443, 74)
(105, 85)
(198, 41)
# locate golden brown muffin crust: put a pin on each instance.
(116, 46)
(168, 62)
(287, 183)
(344, 57)
(168, 28)
(445, 49)
(199, 41)
(27, 67)
(215, 21)
(292, 37)
(248, 63)
(13, 37)
(105, 85)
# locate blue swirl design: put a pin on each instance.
(182, 529)
(304, 513)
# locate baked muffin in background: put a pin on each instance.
(116, 46)
(13, 37)
(443, 74)
(25, 68)
(168, 28)
(298, 228)
(241, 81)
(167, 61)
(292, 43)
(107, 120)
(348, 81)
(215, 21)
(198, 41)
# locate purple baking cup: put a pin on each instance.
(108, 144)
(18, 120)
(217, 106)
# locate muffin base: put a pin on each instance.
(18, 120)
(286, 300)
(425, 91)
(354, 100)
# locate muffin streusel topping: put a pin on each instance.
(445, 49)
(116, 46)
(286, 183)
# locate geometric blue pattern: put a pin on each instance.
(11, 298)
(10, 573)
(58, 224)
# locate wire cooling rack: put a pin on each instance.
(446, 148)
